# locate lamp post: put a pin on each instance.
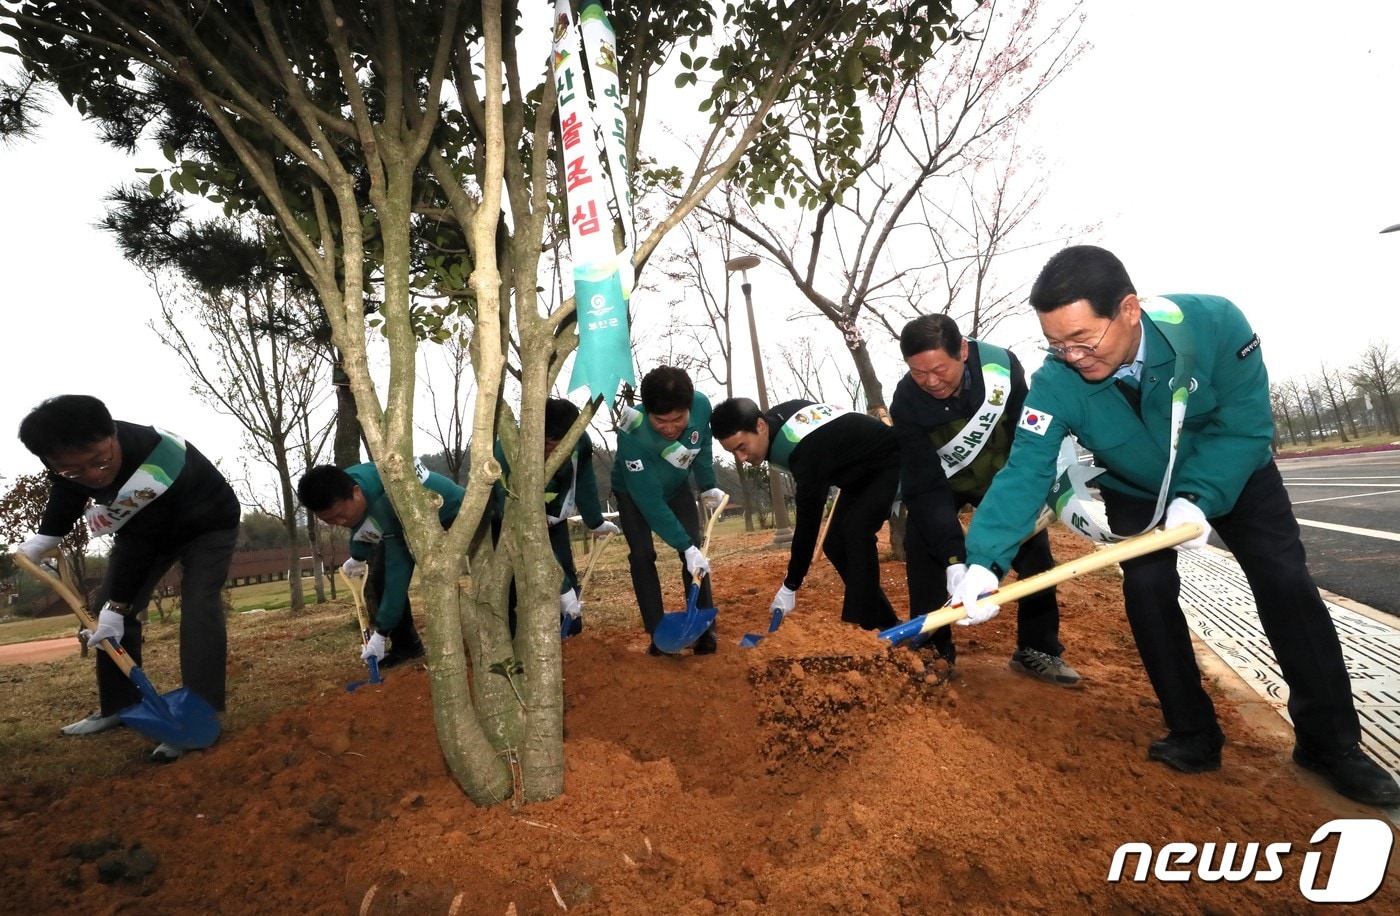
(782, 527)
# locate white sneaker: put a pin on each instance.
(166, 753)
(92, 725)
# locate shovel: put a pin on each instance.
(356, 587)
(680, 629)
(583, 583)
(752, 639)
(180, 718)
(919, 627)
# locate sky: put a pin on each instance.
(1243, 148)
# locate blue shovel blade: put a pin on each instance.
(374, 677)
(681, 628)
(904, 632)
(181, 718)
(752, 639)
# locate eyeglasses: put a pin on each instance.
(1080, 351)
(101, 466)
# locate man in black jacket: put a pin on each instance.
(164, 502)
(825, 446)
(955, 413)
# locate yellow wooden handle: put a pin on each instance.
(79, 608)
(356, 586)
(714, 517)
(588, 573)
(1141, 545)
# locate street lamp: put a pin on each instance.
(782, 527)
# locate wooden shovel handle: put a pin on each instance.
(714, 517)
(76, 604)
(356, 587)
(593, 561)
(1141, 545)
(826, 522)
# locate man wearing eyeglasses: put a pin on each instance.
(163, 502)
(955, 414)
(1171, 396)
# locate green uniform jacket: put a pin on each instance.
(1225, 439)
(650, 469)
(382, 523)
(576, 474)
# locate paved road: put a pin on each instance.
(1349, 509)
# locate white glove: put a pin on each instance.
(955, 574)
(977, 581)
(569, 605)
(606, 528)
(374, 648)
(1183, 512)
(695, 562)
(785, 601)
(37, 546)
(712, 498)
(109, 624)
(353, 568)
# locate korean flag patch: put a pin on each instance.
(634, 465)
(1036, 421)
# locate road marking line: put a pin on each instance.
(1328, 499)
(1348, 529)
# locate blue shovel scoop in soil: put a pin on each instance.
(752, 639)
(679, 629)
(180, 718)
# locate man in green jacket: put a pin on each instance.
(354, 498)
(1171, 396)
(660, 448)
(573, 488)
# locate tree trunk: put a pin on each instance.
(869, 378)
(347, 426)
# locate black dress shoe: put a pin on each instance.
(1189, 752)
(707, 643)
(1351, 773)
(396, 656)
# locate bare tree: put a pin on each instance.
(266, 381)
(1332, 391)
(450, 423)
(1278, 397)
(858, 245)
(1377, 374)
(805, 367)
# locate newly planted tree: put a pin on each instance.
(412, 147)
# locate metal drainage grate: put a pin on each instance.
(1220, 610)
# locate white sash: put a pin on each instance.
(960, 451)
(149, 482)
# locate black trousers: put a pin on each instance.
(204, 563)
(1262, 533)
(1037, 616)
(641, 557)
(404, 635)
(850, 545)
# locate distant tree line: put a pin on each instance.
(1342, 404)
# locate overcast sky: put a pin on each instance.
(1244, 148)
